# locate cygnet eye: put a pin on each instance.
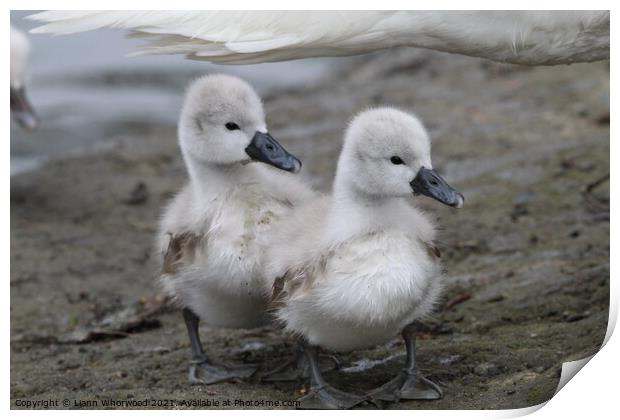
(396, 160)
(231, 126)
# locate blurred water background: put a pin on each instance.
(85, 90)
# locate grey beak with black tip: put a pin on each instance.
(22, 111)
(264, 148)
(428, 182)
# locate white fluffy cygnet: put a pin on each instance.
(355, 269)
(213, 233)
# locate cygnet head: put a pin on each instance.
(387, 153)
(223, 123)
(21, 109)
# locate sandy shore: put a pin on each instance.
(527, 257)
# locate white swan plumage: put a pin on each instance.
(244, 37)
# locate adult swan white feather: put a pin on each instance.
(243, 37)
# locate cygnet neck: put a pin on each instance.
(210, 179)
(353, 212)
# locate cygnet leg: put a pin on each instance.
(202, 370)
(408, 384)
(297, 367)
(322, 395)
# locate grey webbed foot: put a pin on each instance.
(406, 386)
(202, 370)
(328, 397)
(298, 368)
(205, 372)
(288, 372)
(322, 395)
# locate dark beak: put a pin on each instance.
(22, 111)
(428, 182)
(266, 149)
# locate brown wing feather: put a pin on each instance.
(278, 288)
(278, 292)
(432, 250)
(181, 249)
(301, 277)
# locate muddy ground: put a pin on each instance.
(527, 257)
